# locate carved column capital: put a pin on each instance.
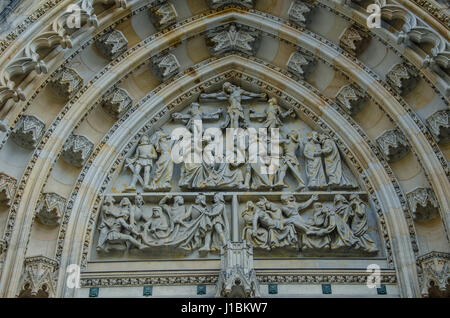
(233, 37)
(77, 149)
(438, 124)
(112, 44)
(423, 204)
(39, 277)
(163, 15)
(301, 64)
(354, 40)
(164, 66)
(7, 188)
(117, 102)
(51, 209)
(28, 131)
(435, 272)
(393, 144)
(402, 78)
(67, 83)
(351, 98)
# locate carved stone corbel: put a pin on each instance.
(117, 102)
(393, 144)
(438, 124)
(164, 66)
(112, 44)
(301, 64)
(39, 277)
(7, 188)
(299, 13)
(351, 98)
(402, 78)
(77, 149)
(233, 37)
(423, 204)
(237, 278)
(435, 273)
(163, 15)
(354, 41)
(214, 4)
(67, 83)
(28, 131)
(51, 209)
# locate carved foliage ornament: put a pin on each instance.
(351, 98)
(67, 83)
(435, 272)
(300, 64)
(112, 44)
(423, 204)
(299, 13)
(39, 277)
(7, 188)
(163, 15)
(439, 125)
(402, 78)
(353, 40)
(51, 209)
(77, 149)
(165, 66)
(393, 144)
(28, 131)
(117, 102)
(233, 37)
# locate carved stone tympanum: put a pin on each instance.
(112, 44)
(393, 144)
(435, 274)
(117, 102)
(423, 204)
(353, 40)
(163, 15)
(233, 37)
(67, 83)
(7, 188)
(39, 277)
(237, 278)
(77, 149)
(28, 131)
(51, 209)
(165, 66)
(439, 125)
(220, 3)
(402, 78)
(301, 64)
(351, 98)
(299, 13)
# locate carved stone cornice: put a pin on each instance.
(301, 64)
(438, 123)
(67, 83)
(402, 78)
(39, 277)
(163, 15)
(7, 188)
(112, 44)
(28, 131)
(423, 204)
(299, 13)
(214, 4)
(351, 98)
(77, 149)
(117, 102)
(354, 40)
(233, 37)
(393, 144)
(50, 209)
(435, 272)
(164, 66)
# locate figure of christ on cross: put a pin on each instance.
(234, 95)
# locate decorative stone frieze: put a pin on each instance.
(164, 66)
(112, 44)
(435, 273)
(77, 149)
(163, 15)
(301, 64)
(351, 98)
(393, 144)
(353, 40)
(299, 13)
(39, 277)
(423, 204)
(117, 102)
(7, 188)
(233, 37)
(438, 123)
(402, 78)
(67, 83)
(220, 3)
(237, 277)
(50, 209)
(28, 131)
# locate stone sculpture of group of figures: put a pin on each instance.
(323, 163)
(343, 227)
(199, 227)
